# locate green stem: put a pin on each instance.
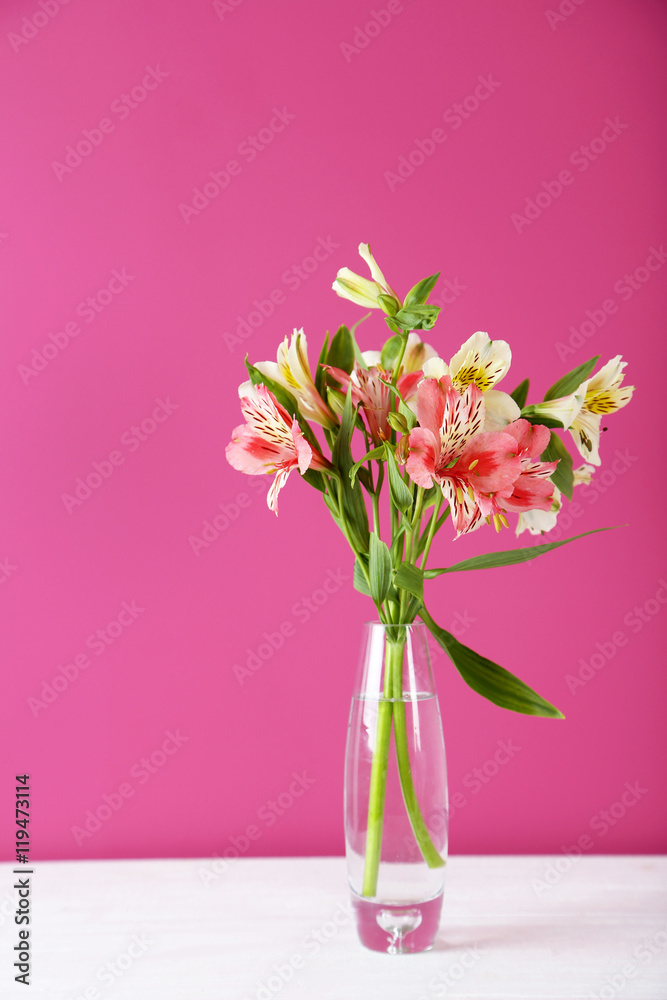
(419, 828)
(392, 705)
(431, 529)
(378, 787)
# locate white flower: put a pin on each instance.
(364, 291)
(603, 393)
(292, 371)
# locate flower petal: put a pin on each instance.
(480, 360)
(500, 408)
(421, 461)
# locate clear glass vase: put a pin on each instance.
(396, 810)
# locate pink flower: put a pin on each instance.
(373, 396)
(533, 490)
(270, 441)
(476, 470)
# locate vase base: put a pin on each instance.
(397, 928)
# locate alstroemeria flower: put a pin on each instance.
(270, 441)
(476, 470)
(540, 522)
(533, 489)
(480, 360)
(373, 396)
(604, 393)
(565, 409)
(484, 362)
(292, 371)
(364, 291)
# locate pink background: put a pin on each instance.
(167, 334)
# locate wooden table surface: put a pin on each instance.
(258, 928)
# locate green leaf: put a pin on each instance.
(390, 351)
(341, 352)
(411, 578)
(320, 372)
(488, 678)
(379, 569)
(397, 546)
(568, 383)
(400, 493)
(392, 324)
(354, 508)
(373, 453)
(403, 407)
(520, 394)
(286, 400)
(315, 479)
(419, 294)
(360, 582)
(417, 317)
(509, 557)
(563, 477)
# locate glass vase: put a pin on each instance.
(396, 810)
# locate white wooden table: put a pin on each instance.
(512, 927)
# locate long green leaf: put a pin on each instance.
(400, 494)
(568, 383)
(373, 453)
(563, 477)
(520, 394)
(320, 373)
(341, 352)
(508, 558)
(360, 582)
(354, 508)
(390, 351)
(488, 678)
(411, 578)
(379, 569)
(420, 292)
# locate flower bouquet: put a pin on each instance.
(407, 441)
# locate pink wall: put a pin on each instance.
(161, 341)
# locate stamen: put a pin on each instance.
(473, 464)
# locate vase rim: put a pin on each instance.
(396, 624)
